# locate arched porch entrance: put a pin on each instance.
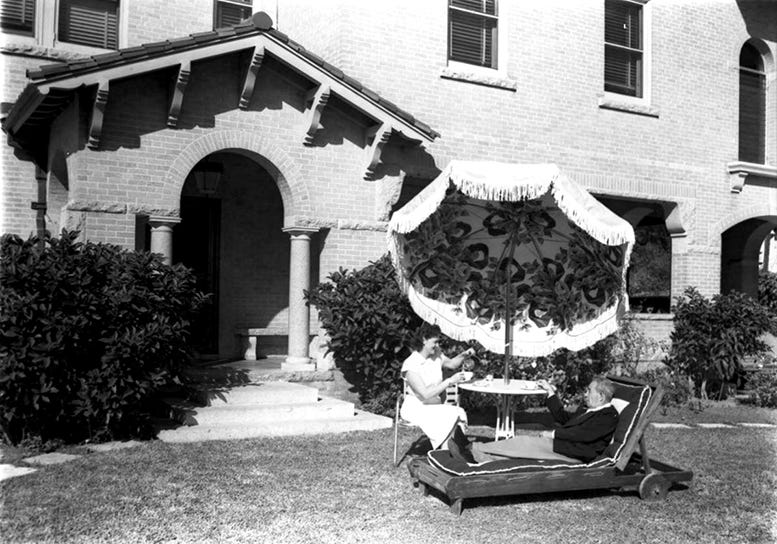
(740, 252)
(231, 235)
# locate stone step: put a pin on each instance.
(258, 414)
(360, 421)
(265, 393)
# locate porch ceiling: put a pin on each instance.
(53, 87)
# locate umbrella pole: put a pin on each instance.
(508, 332)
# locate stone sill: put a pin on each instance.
(740, 173)
(612, 103)
(479, 79)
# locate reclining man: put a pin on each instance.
(573, 438)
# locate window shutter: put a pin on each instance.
(623, 47)
(752, 114)
(230, 14)
(90, 22)
(472, 32)
(17, 15)
(622, 70)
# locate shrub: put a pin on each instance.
(762, 389)
(677, 389)
(711, 337)
(370, 325)
(767, 291)
(89, 333)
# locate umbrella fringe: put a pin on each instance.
(577, 338)
(577, 204)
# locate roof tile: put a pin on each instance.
(334, 70)
(133, 52)
(244, 28)
(279, 35)
(201, 37)
(356, 84)
(181, 42)
(313, 57)
(107, 58)
(372, 95)
(53, 69)
(393, 108)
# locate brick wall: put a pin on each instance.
(552, 58)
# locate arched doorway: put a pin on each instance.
(231, 235)
(740, 249)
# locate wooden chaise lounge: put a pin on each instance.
(619, 466)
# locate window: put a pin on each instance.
(472, 32)
(231, 12)
(752, 105)
(18, 16)
(623, 47)
(89, 22)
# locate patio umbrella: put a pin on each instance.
(517, 257)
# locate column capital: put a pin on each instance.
(300, 230)
(163, 219)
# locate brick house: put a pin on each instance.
(267, 153)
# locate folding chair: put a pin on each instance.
(451, 397)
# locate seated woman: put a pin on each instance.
(424, 386)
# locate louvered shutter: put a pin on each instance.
(752, 114)
(230, 14)
(472, 38)
(623, 48)
(89, 22)
(17, 15)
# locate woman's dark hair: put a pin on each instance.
(423, 333)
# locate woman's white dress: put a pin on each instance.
(435, 420)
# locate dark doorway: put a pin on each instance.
(196, 245)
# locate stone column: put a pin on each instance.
(162, 235)
(299, 313)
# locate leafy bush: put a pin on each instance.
(711, 337)
(767, 291)
(762, 389)
(89, 333)
(370, 325)
(678, 390)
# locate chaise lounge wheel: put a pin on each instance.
(653, 487)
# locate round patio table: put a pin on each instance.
(508, 396)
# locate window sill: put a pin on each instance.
(740, 173)
(497, 80)
(622, 104)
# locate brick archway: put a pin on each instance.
(294, 193)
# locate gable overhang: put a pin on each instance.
(53, 87)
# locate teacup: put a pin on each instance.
(468, 375)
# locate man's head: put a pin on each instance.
(599, 392)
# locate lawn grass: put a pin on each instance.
(343, 488)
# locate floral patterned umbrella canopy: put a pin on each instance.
(489, 241)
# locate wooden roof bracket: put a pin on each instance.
(375, 138)
(98, 112)
(184, 71)
(250, 80)
(316, 100)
